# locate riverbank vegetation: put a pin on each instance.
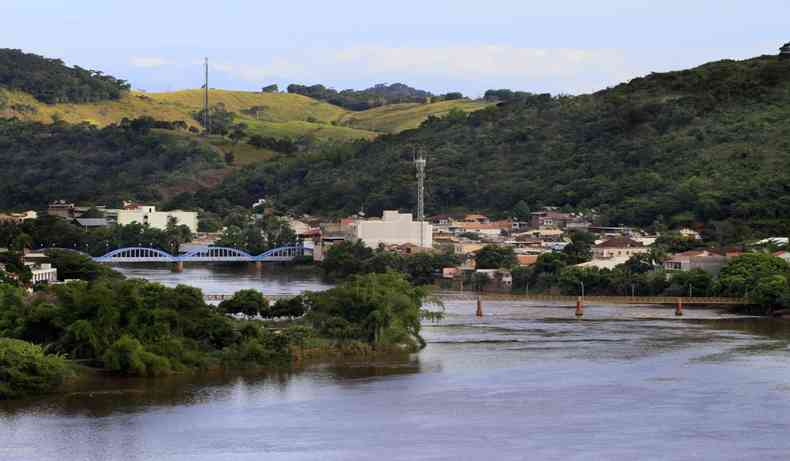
(353, 258)
(138, 328)
(25, 369)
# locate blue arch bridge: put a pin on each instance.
(204, 255)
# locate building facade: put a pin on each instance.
(44, 273)
(147, 215)
(393, 228)
(618, 247)
(708, 261)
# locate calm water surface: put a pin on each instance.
(524, 382)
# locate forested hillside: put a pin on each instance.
(708, 146)
(359, 100)
(42, 163)
(50, 81)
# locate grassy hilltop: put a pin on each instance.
(278, 115)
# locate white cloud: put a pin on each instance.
(483, 61)
(254, 73)
(148, 62)
(572, 70)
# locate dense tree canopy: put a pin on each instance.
(346, 259)
(42, 163)
(51, 81)
(375, 96)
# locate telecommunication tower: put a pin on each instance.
(419, 163)
(206, 120)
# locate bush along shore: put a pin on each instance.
(139, 328)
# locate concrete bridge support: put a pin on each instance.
(178, 266)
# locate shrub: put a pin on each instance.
(25, 369)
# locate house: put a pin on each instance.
(784, 51)
(545, 234)
(611, 231)
(491, 229)
(518, 225)
(708, 261)
(476, 218)
(609, 263)
(441, 220)
(43, 273)
(784, 254)
(645, 240)
(618, 246)
(394, 228)
(689, 234)
(91, 223)
(466, 247)
(61, 208)
(299, 227)
(540, 219)
(526, 260)
(18, 217)
(147, 215)
(500, 278)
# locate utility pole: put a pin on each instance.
(206, 119)
(419, 163)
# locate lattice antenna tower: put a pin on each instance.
(419, 163)
(206, 119)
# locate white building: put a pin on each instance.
(145, 214)
(44, 273)
(393, 228)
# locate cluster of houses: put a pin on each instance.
(544, 231)
(130, 212)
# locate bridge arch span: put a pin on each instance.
(137, 254)
(208, 254)
(284, 253)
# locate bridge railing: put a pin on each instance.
(634, 300)
(204, 254)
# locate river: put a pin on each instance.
(524, 382)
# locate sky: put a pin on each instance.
(559, 46)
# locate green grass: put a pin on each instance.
(279, 115)
(395, 118)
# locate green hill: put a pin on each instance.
(708, 146)
(394, 118)
(279, 115)
(46, 162)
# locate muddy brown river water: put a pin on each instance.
(524, 382)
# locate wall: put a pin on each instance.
(393, 229)
(158, 219)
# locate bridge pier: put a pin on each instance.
(679, 308)
(178, 266)
(479, 311)
(579, 307)
(258, 265)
